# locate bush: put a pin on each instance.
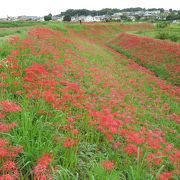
(170, 36)
(162, 25)
(162, 35)
(174, 37)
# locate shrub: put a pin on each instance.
(162, 35)
(166, 35)
(162, 25)
(174, 37)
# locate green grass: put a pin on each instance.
(10, 24)
(57, 26)
(171, 33)
(77, 27)
(6, 33)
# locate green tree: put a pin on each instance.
(67, 18)
(48, 17)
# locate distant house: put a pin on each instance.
(97, 18)
(139, 13)
(82, 18)
(116, 16)
(27, 18)
(12, 18)
(40, 19)
(89, 19)
(74, 19)
(3, 19)
(57, 18)
(176, 22)
(151, 13)
(132, 18)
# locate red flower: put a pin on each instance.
(109, 165)
(116, 145)
(131, 149)
(70, 142)
(7, 177)
(3, 142)
(9, 165)
(7, 127)
(8, 106)
(2, 116)
(165, 176)
(42, 170)
(3, 152)
(45, 160)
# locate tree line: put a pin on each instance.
(106, 11)
(174, 14)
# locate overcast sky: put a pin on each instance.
(43, 7)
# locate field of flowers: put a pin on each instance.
(161, 57)
(73, 108)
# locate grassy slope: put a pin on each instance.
(138, 93)
(171, 32)
(152, 54)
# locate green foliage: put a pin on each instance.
(164, 35)
(85, 12)
(67, 18)
(48, 17)
(170, 32)
(173, 16)
(105, 11)
(162, 24)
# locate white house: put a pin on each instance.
(97, 18)
(116, 16)
(89, 19)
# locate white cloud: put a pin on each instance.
(43, 7)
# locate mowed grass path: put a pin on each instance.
(85, 111)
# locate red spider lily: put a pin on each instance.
(165, 176)
(8, 106)
(3, 152)
(2, 115)
(70, 142)
(116, 145)
(175, 117)
(7, 177)
(42, 169)
(131, 149)
(14, 39)
(75, 131)
(4, 127)
(109, 165)
(9, 165)
(3, 142)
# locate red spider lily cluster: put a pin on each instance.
(42, 170)
(162, 57)
(8, 153)
(57, 79)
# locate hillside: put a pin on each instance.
(73, 108)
